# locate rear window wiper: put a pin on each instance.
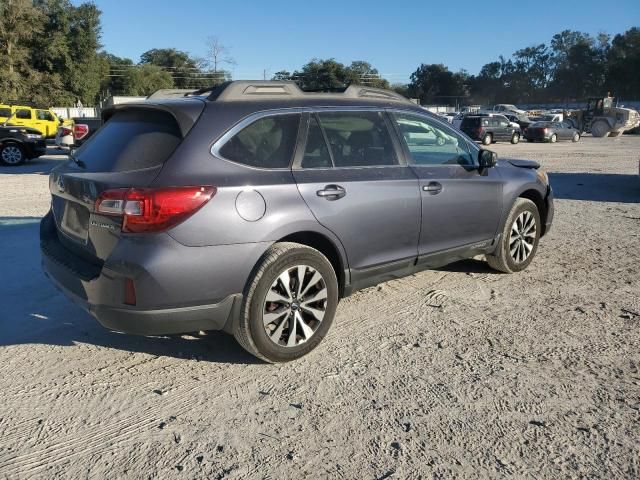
(77, 161)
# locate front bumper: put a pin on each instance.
(35, 149)
(550, 210)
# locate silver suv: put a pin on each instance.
(253, 207)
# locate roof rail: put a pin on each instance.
(239, 90)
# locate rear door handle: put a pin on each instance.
(432, 188)
(332, 192)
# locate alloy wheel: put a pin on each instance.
(523, 237)
(11, 155)
(295, 306)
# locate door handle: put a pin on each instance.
(433, 188)
(332, 192)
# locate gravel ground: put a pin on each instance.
(454, 373)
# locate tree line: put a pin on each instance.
(50, 53)
(573, 66)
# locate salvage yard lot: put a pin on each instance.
(459, 372)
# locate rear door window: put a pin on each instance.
(268, 142)
(5, 112)
(23, 114)
(131, 139)
(316, 153)
(358, 139)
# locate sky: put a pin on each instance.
(395, 38)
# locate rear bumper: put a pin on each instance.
(163, 321)
(179, 289)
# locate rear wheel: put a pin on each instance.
(600, 129)
(576, 137)
(519, 239)
(554, 138)
(487, 139)
(12, 154)
(289, 303)
(515, 138)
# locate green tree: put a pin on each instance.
(623, 59)
(186, 71)
(20, 22)
(435, 83)
(145, 79)
(363, 73)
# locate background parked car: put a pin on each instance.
(84, 128)
(551, 132)
(44, 120)
(522, 120)
(489, 129)
(506, 108)
(19, 144)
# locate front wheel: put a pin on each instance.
(515, 138)
(12, 154)
(519, 240)
(289, 303)
(600, 129)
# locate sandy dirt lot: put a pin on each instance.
(454, 373)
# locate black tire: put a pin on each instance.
(575, 138)
(554, 138)
(250, 330)
(515, 138)
(12, 154)
(502, 259)
(487, 139)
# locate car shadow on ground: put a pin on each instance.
(596, 187)
(32, 311)
(470, 265)
(41, 165)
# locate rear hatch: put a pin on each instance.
(127, 152)
(471, 126)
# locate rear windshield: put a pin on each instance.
(470, 122)
(131, 140)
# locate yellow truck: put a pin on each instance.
(44, 120)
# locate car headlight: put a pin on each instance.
(542, 176)
(35, 136)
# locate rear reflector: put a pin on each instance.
(129, 292)
(153, 209)
(80, 130)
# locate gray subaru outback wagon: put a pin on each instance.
(253, 207)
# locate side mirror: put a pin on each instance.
(487, 159)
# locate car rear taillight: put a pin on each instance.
(478, 131)
(545, 130)
(80, 130)
(526, 130)
(66, 131)
(153, 209)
